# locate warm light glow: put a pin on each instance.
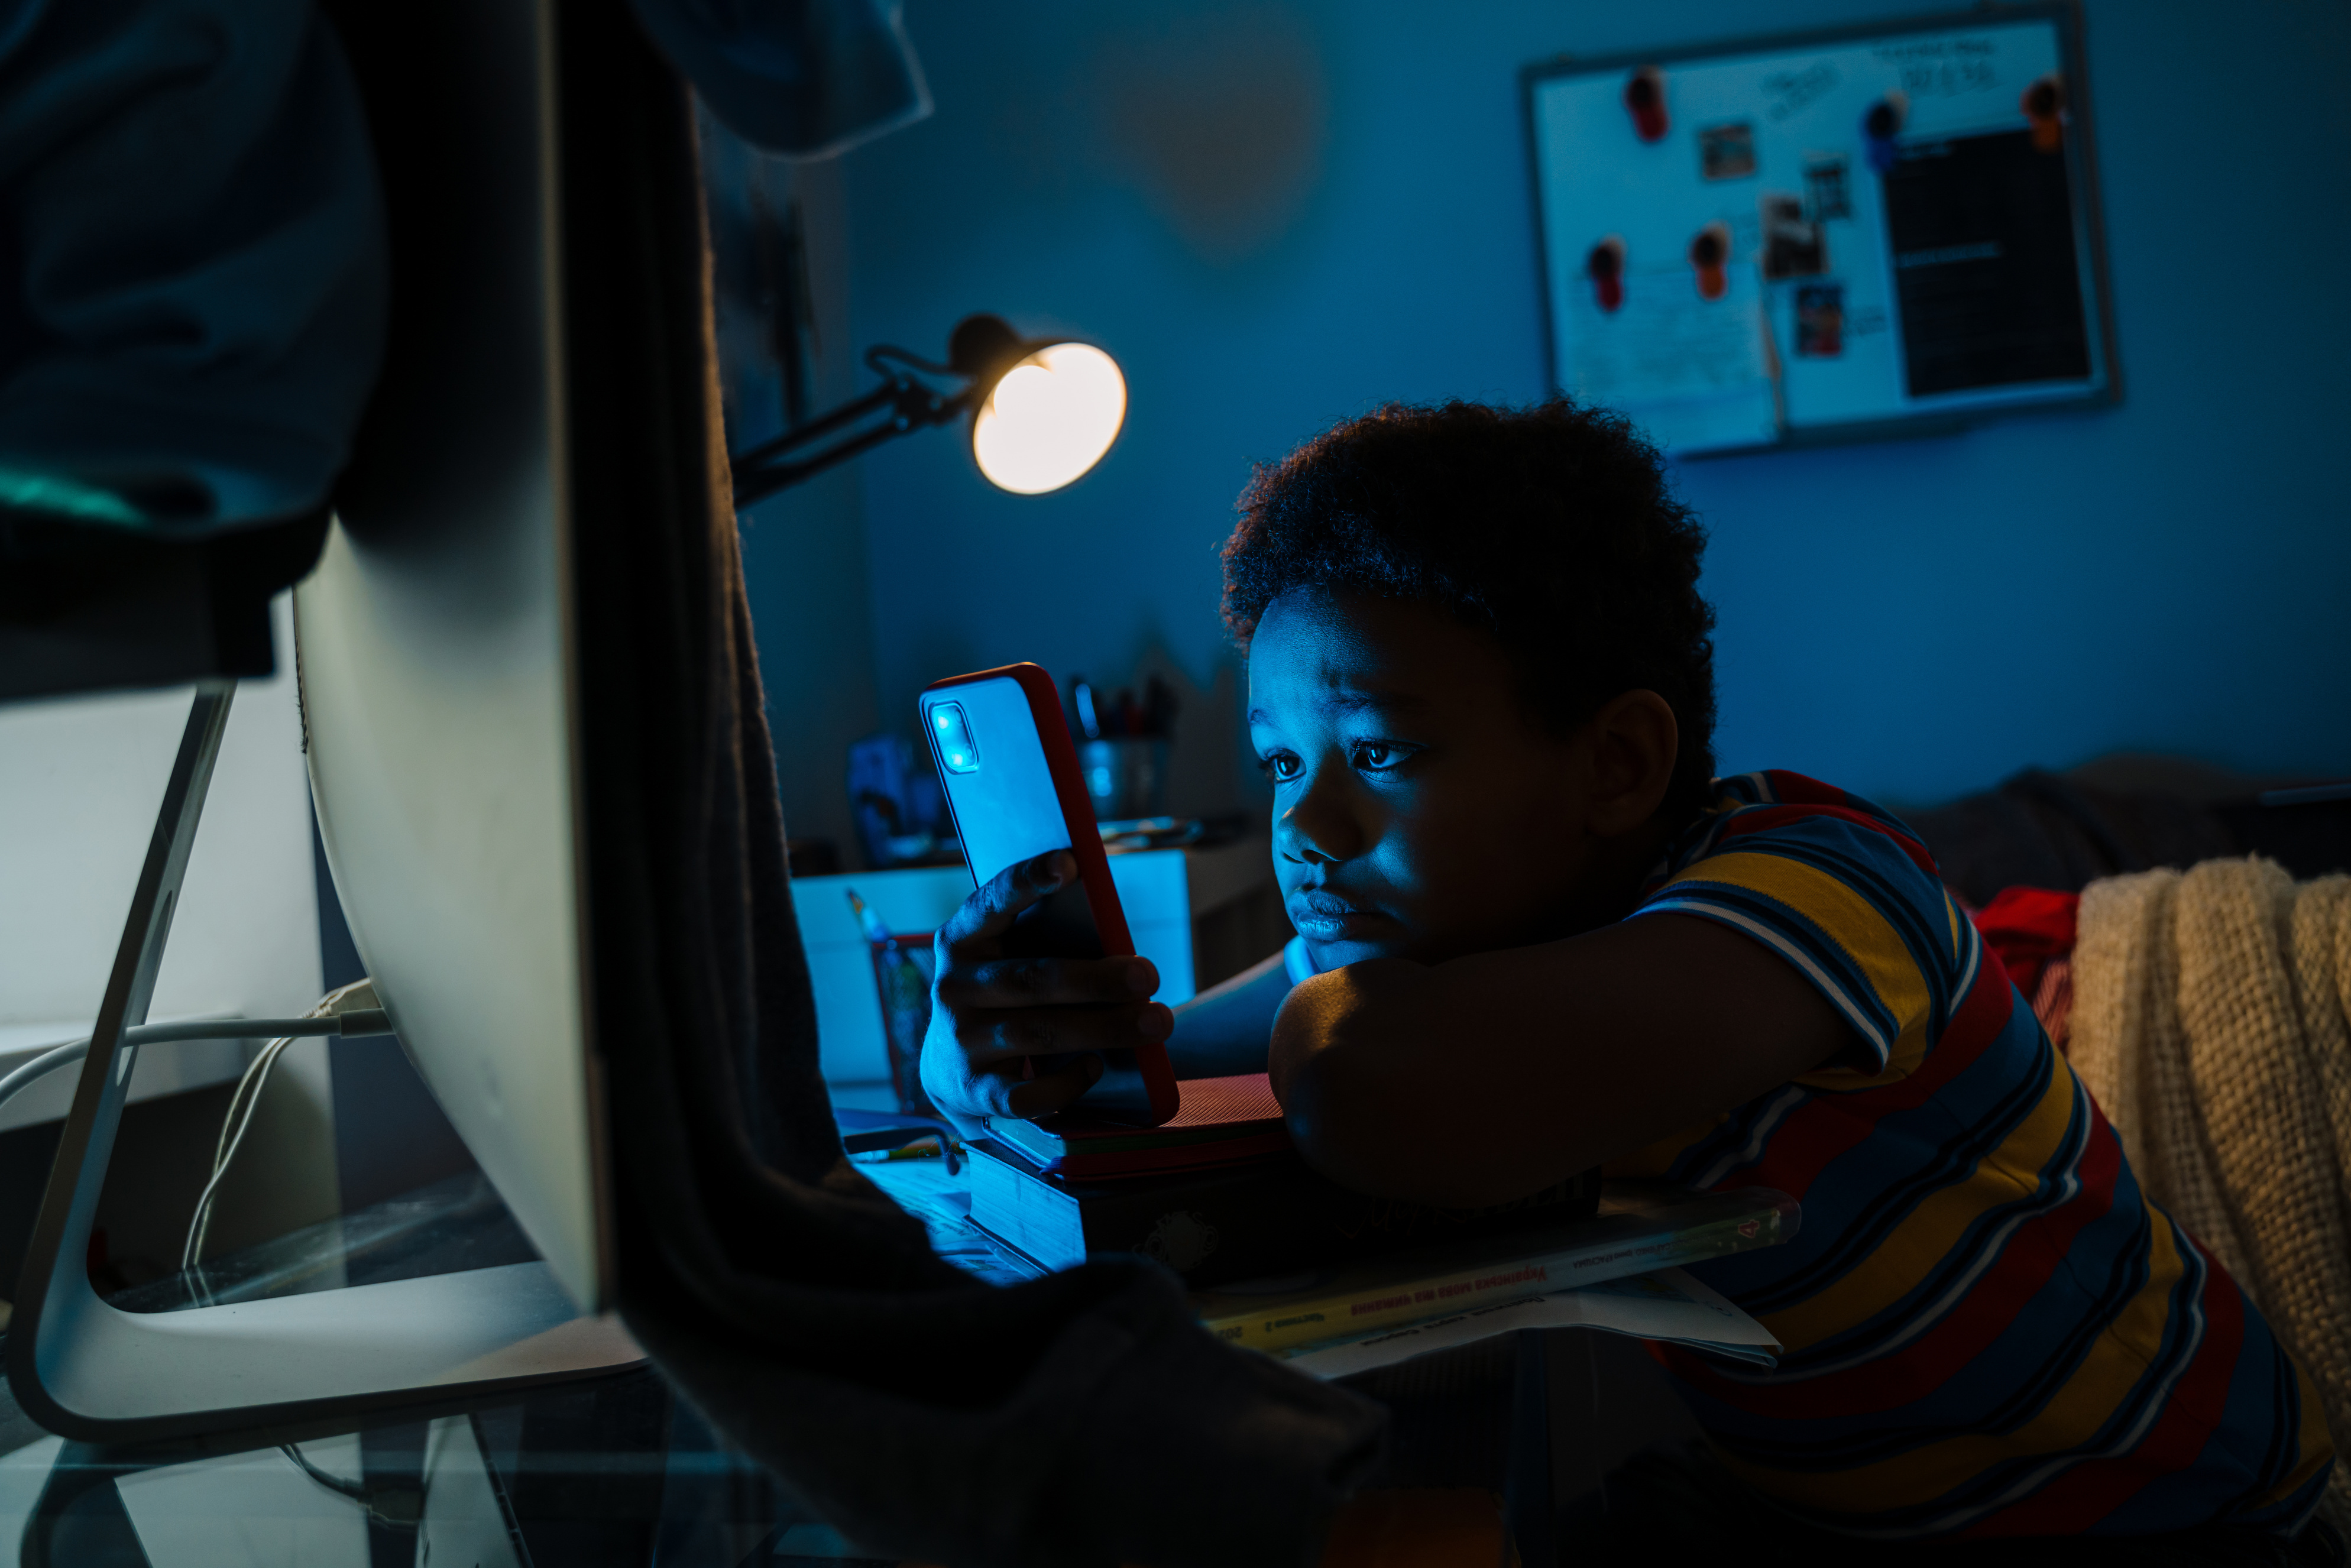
(1049, 419)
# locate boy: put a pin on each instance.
(1535, 936)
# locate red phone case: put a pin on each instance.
(1085, 845)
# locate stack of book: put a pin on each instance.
(1618, 1270)
(1217, 1194)
(1615, 1271)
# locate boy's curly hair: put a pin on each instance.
(1551, 527)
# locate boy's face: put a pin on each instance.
(1419, 810)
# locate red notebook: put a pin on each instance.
(1219, 1122)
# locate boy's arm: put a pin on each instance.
(1225, 1028)
(1490, 1077)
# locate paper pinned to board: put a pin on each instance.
(1697, 375)
(1667, 1305)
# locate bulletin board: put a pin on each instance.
(1826, 236)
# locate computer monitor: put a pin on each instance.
(437, 661)
(440, 702)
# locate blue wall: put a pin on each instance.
(1909, 619)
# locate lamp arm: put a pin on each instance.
(881, 397)
(762, 470)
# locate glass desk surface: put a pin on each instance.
(612, 1471)
(615, 1472)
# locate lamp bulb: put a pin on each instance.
(1050, 418)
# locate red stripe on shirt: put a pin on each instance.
(1762, 818)
(1801, 789)
(1829, 1126)
(1966, 1332)
(2076, 1500)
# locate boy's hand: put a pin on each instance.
(990, 1012)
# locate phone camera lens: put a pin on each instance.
(952, 733)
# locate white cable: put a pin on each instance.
(358, 996)
(57, 1056)
(337, 1014)
(258, 1068)
(237, 1099)
(241, 1106)
(41, 1066)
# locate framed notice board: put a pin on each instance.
(1824, 237)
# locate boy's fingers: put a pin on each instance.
(1050, 1091)
(1002, 1034)
(1000, 1090)
(989, 912)
(1048, 982)
(988, 1092)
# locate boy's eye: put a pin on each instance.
(1281, 766)
(1376, 756)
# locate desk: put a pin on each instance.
(612, 1471)
(617, 1473)
(602, 1474)
(1535, 1417)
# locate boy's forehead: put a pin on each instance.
(1345, 652)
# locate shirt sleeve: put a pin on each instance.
(1857, 910)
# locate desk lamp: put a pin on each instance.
(1043, 410)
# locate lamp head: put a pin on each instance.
(1044, 411)
(984, 347)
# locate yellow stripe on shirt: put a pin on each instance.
(1907, 1256)
(2116, 1362)
(2312, 1442)
(1850, 921)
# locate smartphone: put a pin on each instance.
(1012, 778)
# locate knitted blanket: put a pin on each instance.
(2209, 1021)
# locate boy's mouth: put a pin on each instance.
(1325, 917)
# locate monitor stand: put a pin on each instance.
(85, 1370)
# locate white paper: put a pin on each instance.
(1664, 1306)
(1696, 374)
(1667, 341)
(1683, 427)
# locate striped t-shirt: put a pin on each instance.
(1989, 1328)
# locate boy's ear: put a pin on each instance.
(1634, 741)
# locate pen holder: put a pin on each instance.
(1126, 778)
(902, 974)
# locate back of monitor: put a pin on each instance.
(435, 640)
(435, 658)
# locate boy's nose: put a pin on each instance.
(1318, 827)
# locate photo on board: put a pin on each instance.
(1794, 245)
(1819, 320)
(1825, 192)
(1727, 152)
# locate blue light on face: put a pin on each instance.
(958, 752)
